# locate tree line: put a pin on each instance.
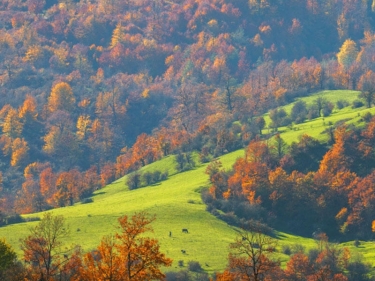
(131, 255)
(303, 187)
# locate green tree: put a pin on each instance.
(299, 112)
(260, 123)
(280, 146)
(7, 257)
(277, 116)
(320, 102)
(367, 87)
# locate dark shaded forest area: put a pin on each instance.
(91, 90)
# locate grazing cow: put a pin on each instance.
(183, 251)
(170, 233)
(185, 230)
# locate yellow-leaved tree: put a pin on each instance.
(348, 54)
(61, 98)
(19, 152)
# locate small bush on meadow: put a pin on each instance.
(356, 243)
(134, 181)
(86, 200)
(164, 176)
(357, 104)
(299, 112)
(15, 218)
(148, 178)
(182, 275)
(184, 161)
(156, 175)
(312, 112)
(340, 104)
(327, 109)
(32, 219)
(195, 266)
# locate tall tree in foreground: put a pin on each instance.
(42, 249)
(249, 259)
(128, 255)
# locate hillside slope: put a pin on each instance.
(177, 204)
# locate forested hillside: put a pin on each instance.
(91, 90)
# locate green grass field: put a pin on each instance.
(177, 204)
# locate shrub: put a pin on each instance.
(356, 243)
(86, 200)
(367, 116)
(184, 161)
(12, 219)
(32, 219)
(182, 275)
(148, 178)
(194, 266)
(286, 121)
(286, 250)
(277, 116)
(258, 226)
(357, 104)
(164, 176)
(156, 176)
(230, 218)
(340, 104)
(134, 181)
(313, 112)
(299, 112)
(180, 159)
(327, 109)
(359, 271)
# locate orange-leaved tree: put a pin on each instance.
(128, 255)
(42, 249)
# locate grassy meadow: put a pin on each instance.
(177, 204)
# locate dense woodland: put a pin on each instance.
(94, 89)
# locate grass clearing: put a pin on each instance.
(177, 204)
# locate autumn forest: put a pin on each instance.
(92, 90)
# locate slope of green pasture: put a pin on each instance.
(177, 204)
(316, 127)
